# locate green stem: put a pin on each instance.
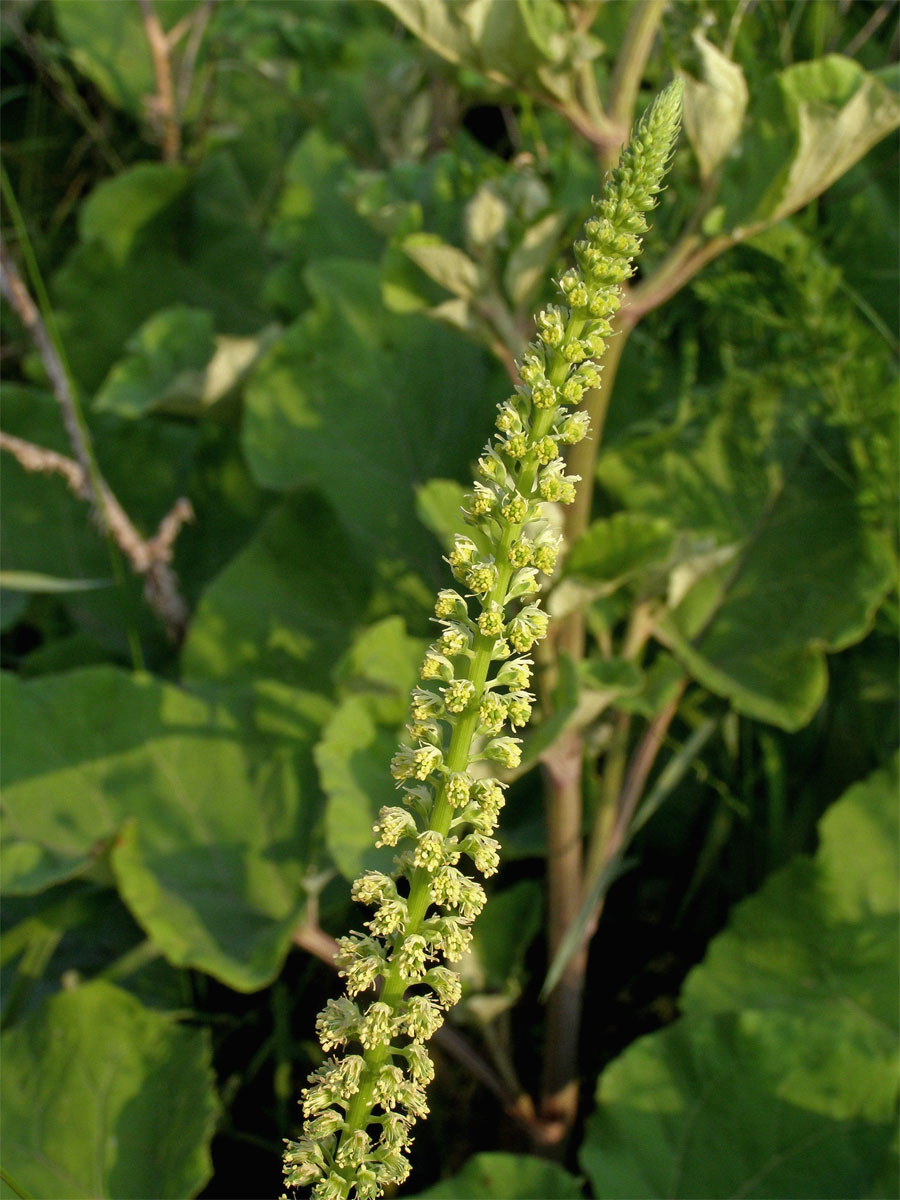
(457, 759)
(633, 54)
(563, 800)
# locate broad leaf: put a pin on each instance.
(781, 1077)
(506, 1177)
(208, 814)
(783, 567)
(104, 1098)
(809, 125)
(615, 549)
(152, 237)
(119, 208)
(530, 261)
(520, 41)
(358, 742)
(438, 505)
(175, 363)
(501, 938)
(713, 106)
(354, 758)
(314, 219)
(755, 629)
(285, 607)
(445, 264)
(366, 405)
(166, 357)
(382, 665)
(821, 937)
(486, 216)
(739, 1104)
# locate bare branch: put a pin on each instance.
(15, 291)
(148, 557)
(163, 105)
(48, 462)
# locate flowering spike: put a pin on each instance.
(359, 1109)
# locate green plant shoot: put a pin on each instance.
(360, 1107)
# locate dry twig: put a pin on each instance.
(151, 557)
(163, 105)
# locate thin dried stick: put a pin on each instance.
(163, 105)
(15, 291)
(148, 557)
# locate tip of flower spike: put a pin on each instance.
(662, 120)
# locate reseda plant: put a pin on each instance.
(360, 1108)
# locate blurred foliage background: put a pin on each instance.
(282, 256)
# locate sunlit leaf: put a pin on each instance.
(617, 548)
(354, 754)
(104, 1098)
(714, 105)
(285, 607)
(446, 265)
(770, 588)
(366, 405)
(531, 258)
(208, 816)
(821, 937)
(738, 1104)
(506, 1177)
(807, 127)
(781, 1078)
(34, 581)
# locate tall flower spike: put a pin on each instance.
(360, 1108)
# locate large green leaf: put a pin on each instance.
(781, 1077)
(445, 264)
(821, 937)
(784, 568)
(515, 40)
(744, 1104)
(501, 938)
(208, 811)
(152, 237)
(119, 208)
(102, 1097)
(366, 405)
(506, 1177)
(617, 548)
(314, 218)
(286, 605)
(714, 106)
(806, 128)
(354, 758)
(360, 739)
(165, 364)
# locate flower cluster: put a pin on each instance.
(360, 1106)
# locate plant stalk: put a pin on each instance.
(564, 806)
